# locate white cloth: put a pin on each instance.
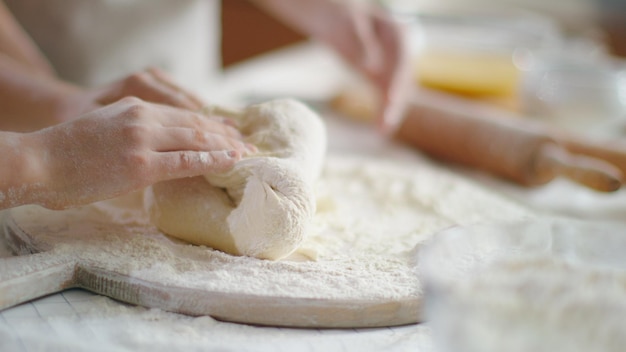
(92, 42)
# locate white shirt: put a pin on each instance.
(92, 42)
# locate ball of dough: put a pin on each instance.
(264, 205)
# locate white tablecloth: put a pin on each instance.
(79, 320)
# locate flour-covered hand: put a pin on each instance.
(126, 146)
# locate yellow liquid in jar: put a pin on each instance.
(468, 73)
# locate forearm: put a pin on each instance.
(30, 101)
(22, 177)
(15, 43)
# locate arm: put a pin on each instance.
(33, 98)
(364, 36)
(111, 151)
(16, 44)
(31, 101)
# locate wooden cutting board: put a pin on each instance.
(372, 216)
(54, 258)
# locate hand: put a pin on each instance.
(375, 45)
(151, 85)
(126, 146)
(365, 36)
(31, 101)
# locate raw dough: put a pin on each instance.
(372, 217)
(263, 206)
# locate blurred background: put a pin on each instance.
(563, 61)
(605, 20)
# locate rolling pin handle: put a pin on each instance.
(594, 173)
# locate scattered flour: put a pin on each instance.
(106, 325)
(549, 285)
(372, 215)
(535, 304)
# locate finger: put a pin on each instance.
(394, 99)
(394, 65)
(175, 117)
(369, 55)
(146, 87)
(180, 138)
(390, 116)
(171, 165)
(392, 109)
(394, 78)
(207, 111)
(222, 126)
(153, 90)
(166, 80)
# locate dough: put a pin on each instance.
(264, 205)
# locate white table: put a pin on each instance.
(79, 320)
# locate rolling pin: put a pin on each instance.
(612, 151)
(462, 131)
(456, 130)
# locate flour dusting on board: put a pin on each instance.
(371, 217)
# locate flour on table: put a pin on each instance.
(535, 304)
(111, 326)
(372, 216)
(264, 205)
(542, 285)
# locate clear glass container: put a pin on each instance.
(477, 53)
(576, 93)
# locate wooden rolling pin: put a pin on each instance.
(473, 134)
(460, 131)
(612, 151)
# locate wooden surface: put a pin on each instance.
(51, 260)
